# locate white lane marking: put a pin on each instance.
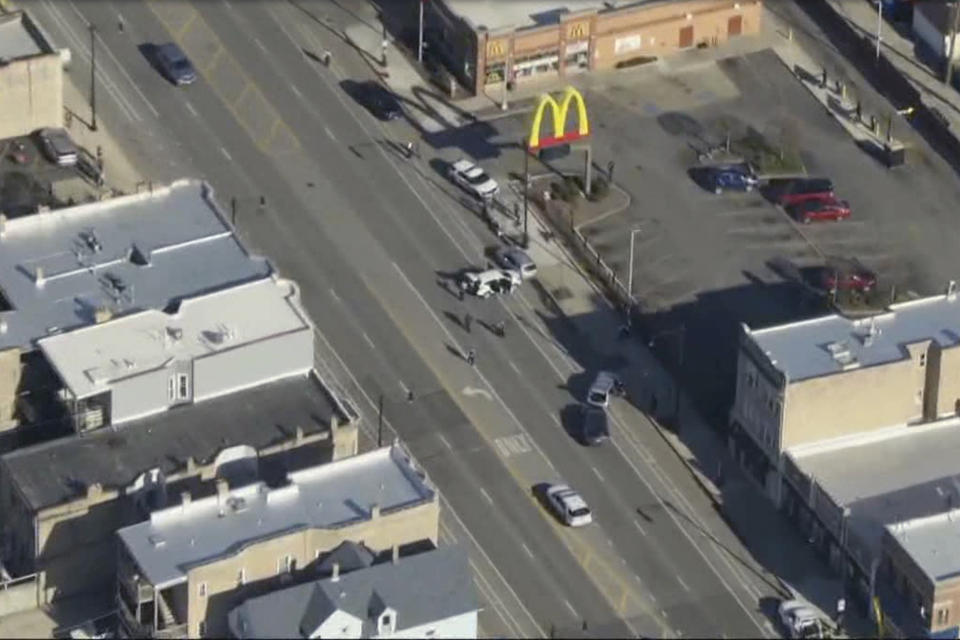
(641, 529)
(260, 45)
(527, 549)
(572, 610)
(653, 598)
(597, 473)
(486, 495)
(445, 441)
(226, 154)
(297, 91)
(335, 296)
(514, 367)
(230, 6)
(191, 109)
(368, 340)
(683, 584)
(476, 391)
(403, 387)
(444, 502)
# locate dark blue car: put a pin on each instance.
(720, 179)
(174, 65)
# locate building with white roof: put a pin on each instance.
(75, 267)
(147, 362)
(184, 569)
(31, 77)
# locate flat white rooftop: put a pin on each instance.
(803, 350)
(330, 495)
(911, 472)
(933, 543)
(130, 253)
(20, 37)
(90, 359)
(518, 14)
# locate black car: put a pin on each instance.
(174, 65)
(380, 102)
(594, 427)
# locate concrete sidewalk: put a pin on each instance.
(897, 44)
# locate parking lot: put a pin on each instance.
(708, 262)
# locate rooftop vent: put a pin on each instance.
(237, 504)
(157, 541)
(175, 333)
(871, 333)
(840, 352)
(139, 257)
(89, 238)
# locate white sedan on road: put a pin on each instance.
(471, 177)
(568, 505)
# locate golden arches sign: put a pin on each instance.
(559, 113)
(495, 49)
(577, 31)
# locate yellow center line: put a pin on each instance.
(213, 61)
(186, 27)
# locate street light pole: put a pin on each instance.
(420, 41)
(93, 76)
(879, 26)
(633, 235)
(380, 421)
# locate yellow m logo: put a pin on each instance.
(495, 49)
(559, 112)
(577, 31)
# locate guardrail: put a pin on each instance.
(12, 582)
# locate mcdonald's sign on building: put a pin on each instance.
(558, 120)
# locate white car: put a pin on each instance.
(800, 619)
(484, 284)
(474, 179)
(569, 506)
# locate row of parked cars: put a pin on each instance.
(805, 199)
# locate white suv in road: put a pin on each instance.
(471, 177)
(568, 505)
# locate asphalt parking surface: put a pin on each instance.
(709, 262)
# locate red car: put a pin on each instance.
(791, 191)
(846, 275)
(820, 209)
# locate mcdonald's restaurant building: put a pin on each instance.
(485, 42)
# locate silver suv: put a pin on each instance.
(599, 393)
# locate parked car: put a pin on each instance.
(58, 147)
(790, 191)
(174, 64)
(800, 620)
(568, 505)
(845, 275)
(599, 393)
(820, 209)
(594, 426)
(484, 284)
(517, 260)
(379, 101)
(720, 179)
(475, 180)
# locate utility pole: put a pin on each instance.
(526, 189)
(93, 76)
(420, 41)
(955, 25)
(380, 422)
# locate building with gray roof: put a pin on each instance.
(73, 493)
(69, 268)
(430, 594)
(194, 559)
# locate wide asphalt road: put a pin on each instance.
(366, 236)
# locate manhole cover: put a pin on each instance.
(561, 293)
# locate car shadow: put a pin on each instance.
(701, 177)
(570, 420)
(149, 52)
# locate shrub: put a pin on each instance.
(600, 189)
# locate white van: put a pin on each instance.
(490, 282)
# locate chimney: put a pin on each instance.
(191, 466)
(396, 554)
(38, 276)
(223, 488)
(374, 511)
(299, 435)
(335, 576)
(334, 423)
(952, 290)
(185, 498)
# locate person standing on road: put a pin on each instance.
(472, 357)
(500, 328)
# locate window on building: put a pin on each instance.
(943, 615)
(182, 385)
(202, 589)
(286, 564)
(172, 388)
(202, 629)
(923, 359)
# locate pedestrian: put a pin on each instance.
(409, 150)
(472, 357)
(327, 56)
(501, 328)
(467, 321)
(120, 23)
(460, 293)
(841, 608)
(410, 396)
